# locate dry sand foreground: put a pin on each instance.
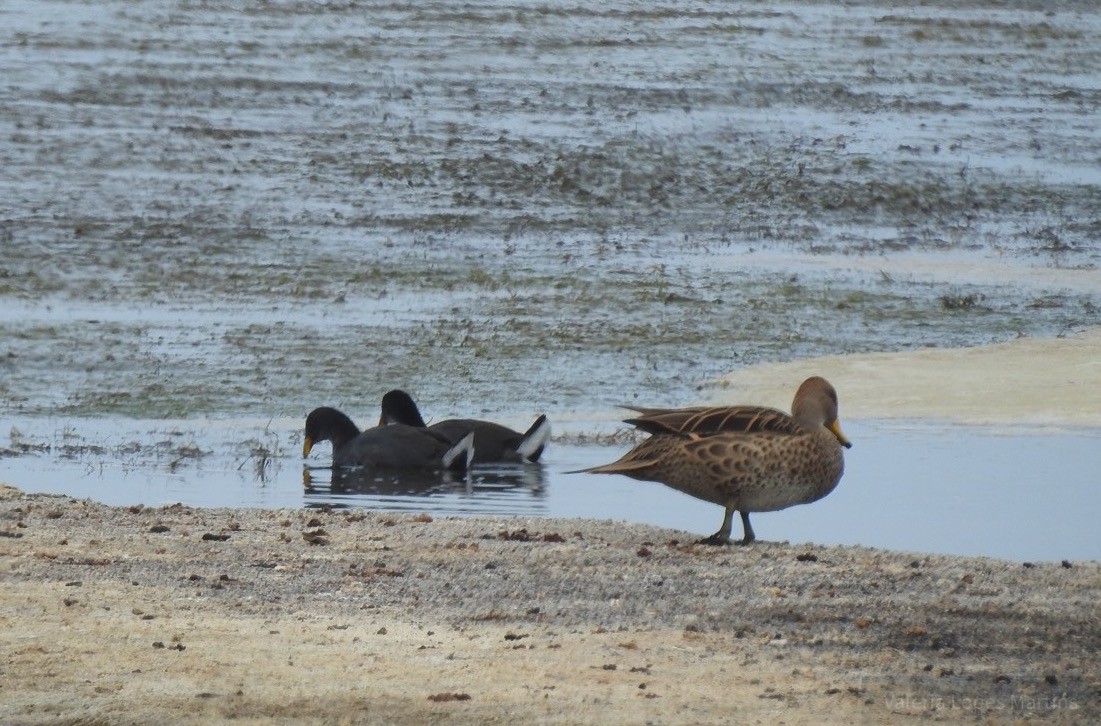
(132, 615)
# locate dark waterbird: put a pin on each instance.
(386, 447)
(744, 458)
(493, 443)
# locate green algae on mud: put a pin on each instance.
(662, 329)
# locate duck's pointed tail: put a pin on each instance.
(460, 456)
(535, 439)
(623, 466)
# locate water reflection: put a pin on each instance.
(921, 488)
(487, 489)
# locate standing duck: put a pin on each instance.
(744, 458)
(493, 443)
(385, 447)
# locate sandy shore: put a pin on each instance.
(1029, 381)
(141, 615)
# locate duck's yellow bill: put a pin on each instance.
(307, 446)
(835, 429)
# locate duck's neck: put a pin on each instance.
(341, 430)
(811, 417)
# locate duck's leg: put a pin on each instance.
(722, 537)
(747, 530)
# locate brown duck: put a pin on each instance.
(744, 458)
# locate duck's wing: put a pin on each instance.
(706, 420)
(690, 462)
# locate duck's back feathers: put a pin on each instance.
(394, 447)
(713, 420)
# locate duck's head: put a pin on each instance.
(327, 424)
(815, 405)
(399, 407)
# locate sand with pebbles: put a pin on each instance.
(141, 615)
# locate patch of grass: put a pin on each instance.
(264, 454)
(954, 302)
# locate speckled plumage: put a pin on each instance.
(744, 458)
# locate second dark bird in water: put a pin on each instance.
(493, 443)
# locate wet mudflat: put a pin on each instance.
(222, 208)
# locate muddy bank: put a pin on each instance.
(137, 615)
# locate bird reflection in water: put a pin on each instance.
(502, 488)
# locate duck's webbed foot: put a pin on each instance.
(718, 539)
(722, 537)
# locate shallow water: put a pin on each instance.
(1004, 493)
